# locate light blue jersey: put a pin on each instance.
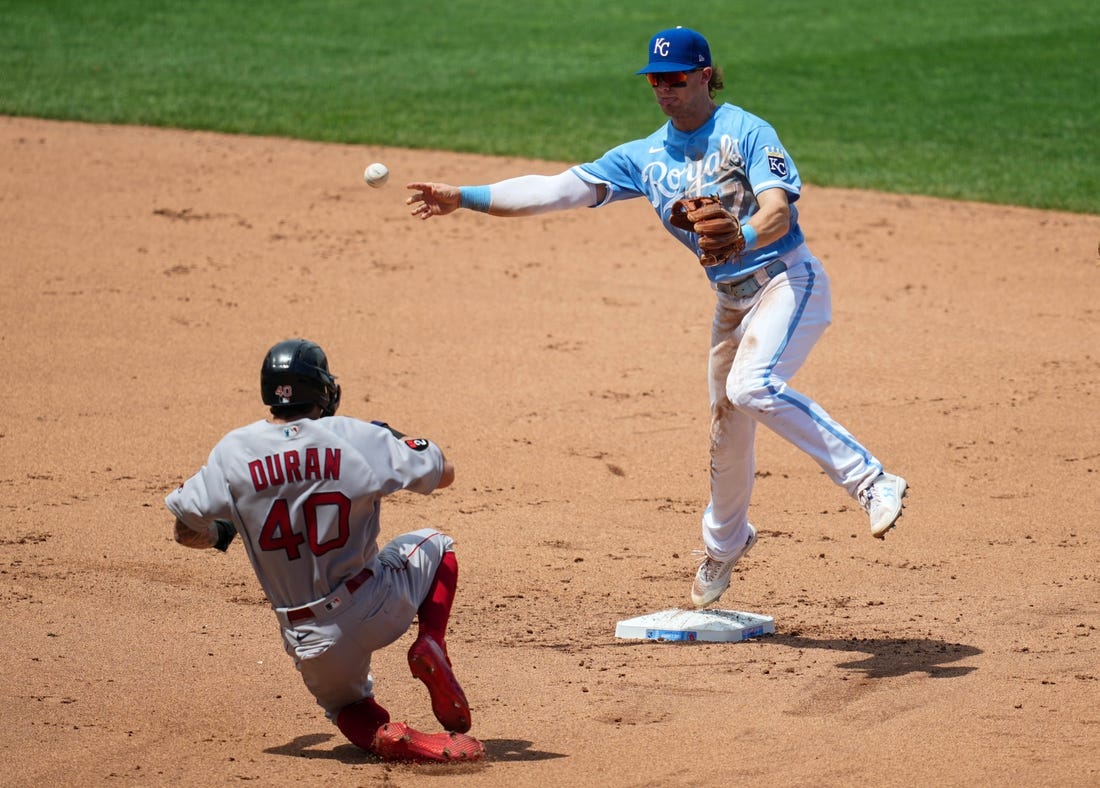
(735, 155)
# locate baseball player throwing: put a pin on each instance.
(303, 490)
(773, 300)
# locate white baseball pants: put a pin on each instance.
(757, 346)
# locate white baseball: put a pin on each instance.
(376, 174)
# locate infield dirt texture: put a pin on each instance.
(560, 362)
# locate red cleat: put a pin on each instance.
(429, 663)
(396, 741)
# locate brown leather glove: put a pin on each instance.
(719, 231)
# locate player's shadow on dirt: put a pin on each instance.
(889, 657)
(516, 750)
(309, 746)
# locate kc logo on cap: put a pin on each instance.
(677, 49)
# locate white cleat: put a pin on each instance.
(713, 577)
(882, 501)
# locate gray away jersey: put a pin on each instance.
(305, 497)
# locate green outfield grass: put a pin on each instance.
(983, 100)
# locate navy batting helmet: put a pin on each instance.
(295, 372)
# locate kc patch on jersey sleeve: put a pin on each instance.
(777, 162)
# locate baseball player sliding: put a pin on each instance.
(303, 489)
(773, 300)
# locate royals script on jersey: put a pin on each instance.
(735, 155)
(305, 497)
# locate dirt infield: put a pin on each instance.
(146, 271)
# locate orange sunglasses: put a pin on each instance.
(674, 79)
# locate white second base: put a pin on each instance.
(720, 626)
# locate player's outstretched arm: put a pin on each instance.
(523, 196)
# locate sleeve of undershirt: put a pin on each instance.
(533, 194)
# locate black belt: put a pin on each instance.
(302, 613)
(743, 288)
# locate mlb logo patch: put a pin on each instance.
(777, 162)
